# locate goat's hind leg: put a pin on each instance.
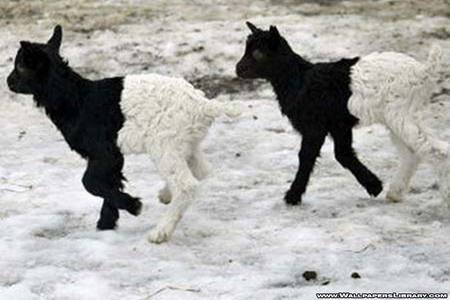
(174, 168)
(198, 164)
(427, 147)
(165, 195)
(199, 167)
(406, 169)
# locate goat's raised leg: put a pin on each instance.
(406, 169)
(346, 156)
(310, 150)
(103, 178)
(174, 168)
(199, 167)
(165, 195)
(425, 146)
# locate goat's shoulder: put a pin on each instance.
(104, 92)
(98, 119)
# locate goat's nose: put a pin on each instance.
(10, 82)
(238, 69)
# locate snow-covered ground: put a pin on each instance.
(238, 240)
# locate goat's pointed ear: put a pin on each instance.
(25, 45)
(29, 48)
(252, 27)
(33, 56)
(275, 38)
(274, 32)
(55, 41)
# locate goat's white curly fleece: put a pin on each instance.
(390, 88)
(167, 118)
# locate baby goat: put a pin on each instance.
(321, 98)
(101, 120)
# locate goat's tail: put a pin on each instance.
(215, 108)
(434, 59)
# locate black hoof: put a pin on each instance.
(106, 224)
(374, 187)
(136, 207)
(292, 198)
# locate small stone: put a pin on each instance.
(310, 275)
(355, 275)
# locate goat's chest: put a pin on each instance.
(301, 114)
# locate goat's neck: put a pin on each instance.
(289, 78)
(63, 97)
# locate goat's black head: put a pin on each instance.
(32, 64)
(265, 51)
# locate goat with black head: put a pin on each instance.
(103, 119)
(333, 97)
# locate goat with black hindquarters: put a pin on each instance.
(332, 98)
(102, 120)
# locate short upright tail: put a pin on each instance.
(216, 108)
(434, 59)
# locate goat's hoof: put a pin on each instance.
(136, 207)
(374, 187)
(393, 197)
(158, 236)
(165, 196)
(292, 198)
(106, 224)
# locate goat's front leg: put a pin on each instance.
(109, 215)
(310, 150)
(346, 156)
(103, 178)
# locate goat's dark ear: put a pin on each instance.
(29, 49)
(252, 27)
(55, 41)
(275, 37)
(26, 46)
(33, 56)
(274, 32)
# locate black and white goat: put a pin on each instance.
(332, 98)
(101, 120)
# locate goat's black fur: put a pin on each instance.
(314, 97)
(88, 115)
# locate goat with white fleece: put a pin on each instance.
(101, 120)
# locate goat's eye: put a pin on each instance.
(258, 55)
(20, 69)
